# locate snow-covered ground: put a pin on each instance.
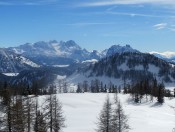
(82, 110)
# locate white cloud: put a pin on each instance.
(126, 2)
(164, 26)
(160, 26)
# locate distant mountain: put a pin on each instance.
(129, 67)
(43, 60)
(55, 53)
(13, 63)
(168, 56)
(120, 49)
(63, 53)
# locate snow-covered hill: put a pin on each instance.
(82, 110)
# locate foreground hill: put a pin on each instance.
(82, 110)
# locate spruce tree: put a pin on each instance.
(160, 97)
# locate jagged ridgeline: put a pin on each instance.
(133, 66)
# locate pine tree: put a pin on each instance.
(7, 103)
(36, 124)
(30, 108)
(19, 115)
(58, 118)
(104, 120)
(41, 123)
(85, 86)
(79, 90)
(54, 114)
(160, 97)
(119, 119)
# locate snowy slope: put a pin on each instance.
(64, 53)
(55, 53)
(133, 66)
(82, 110)
(24, 60)
(12, 62)
(168, 55)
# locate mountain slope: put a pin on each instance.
(131, 67)
(168, 56)
(11, 62)
(120, 49)
(54, 53)
(64, 53)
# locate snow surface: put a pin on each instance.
(60, 65)
(90, 61)
(28, 62)
(82, 110)
(11, 74)
(167, 54)
(59, 77)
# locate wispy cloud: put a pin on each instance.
(160, 26)
(167, 26)
(126, 2)
(89, 23)
(172, 29)
(135, 14)
(28, 2)
(5, 3)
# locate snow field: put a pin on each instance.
(82, 110)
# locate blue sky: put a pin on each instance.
(147, 25)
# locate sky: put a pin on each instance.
(146, 25)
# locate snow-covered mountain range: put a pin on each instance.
(55, 53)
(63, 53)
(67, 57)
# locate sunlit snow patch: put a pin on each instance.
(60, 65)
(11, 74)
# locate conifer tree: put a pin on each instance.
(104, 120)
(54, 114)
(160, 96)
(41, 123)
(119, 119)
